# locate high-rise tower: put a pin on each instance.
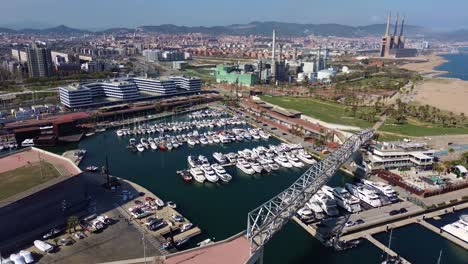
(39, 61)
(273, 57)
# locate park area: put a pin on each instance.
(24, 178)
(335, 113)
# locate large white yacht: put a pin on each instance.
(364, 194)
(343, 198)
(283, 161)
(244, 166)
(306, 157)
(315, 206)
(197, 174)
(459, 228)
(383, 188)
(328, 204)
(210, 174)
(294, 161)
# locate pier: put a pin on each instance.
(385, 248)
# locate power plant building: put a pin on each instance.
(394, 45)
(233, 75)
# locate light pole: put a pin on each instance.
(144, 247)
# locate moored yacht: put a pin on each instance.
(295, 161)
(140, 148)
(459, 228)
(306, 157)
(328, 204)
(220, 158)
(281, 160)
(210, 174)
(197, 174)
(344, 199)
(364, 194)
(383, 188)
(244, 166)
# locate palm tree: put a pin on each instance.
(72, 223)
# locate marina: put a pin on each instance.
(157, 172)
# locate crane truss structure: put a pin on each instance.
(267, 219)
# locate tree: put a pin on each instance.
(72, 223)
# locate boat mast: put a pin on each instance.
(439, 260)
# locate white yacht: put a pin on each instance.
(305, 213)
(257, 167)
(244, 166)
(210, 174)
(328, 204)
(459, 228)
(132, 141)
(197, 174)
(364, 194)
(281, 160)
(153, 146)
(306, 157)
(344, 199)
(295, 161)
(219, 157)
(140, 148)
(191, 142)
(383, 188)
(315, 206)
(119, 132)
(221, 172)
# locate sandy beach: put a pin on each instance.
(427, 66)
(446, 94)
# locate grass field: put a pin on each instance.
(24, 178)
(335, 113)
(417, 129)
(325, 111)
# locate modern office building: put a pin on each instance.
(39, 61)
(400, 155)
(187, 83)
(162, 86)
(75, 96)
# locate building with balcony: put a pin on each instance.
(400, 155)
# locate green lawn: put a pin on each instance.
(325, 111)
(421, 130)
(24, 178)
(335, 113)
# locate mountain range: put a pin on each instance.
(257, 28)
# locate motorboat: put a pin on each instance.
(459, 228)
(43, 246)
(258, 168)
(203, 159)
(306, 157)
(153, 146)
(119, 132)
(171, 204)
(244, 166)
(159, 202)
(210, 174)
(191, 142)
(186, 176)
(225, 177)
(198, 174)
(177, 218)
(274, 166)
(305, 213)
(140, 148)
(132, 141)
(186, 227)
(193, 161)
(364, 194)
(295, 161)
(328, 204)
(344, 199)
(382, 188)
(220, 158)
(169, 146)
(180, 242)
(283, 161)
(315, 206)
(231, 157)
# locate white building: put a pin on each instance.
(187, 83)
(325, 75)
(162, 86)
(400, 155)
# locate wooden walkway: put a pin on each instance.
(448, 236)
(384, 248)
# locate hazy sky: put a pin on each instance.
(446, 14)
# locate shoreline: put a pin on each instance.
(427, 68)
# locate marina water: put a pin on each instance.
(220, 210)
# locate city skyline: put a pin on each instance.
(122, 13)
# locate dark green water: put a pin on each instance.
(220, 209)
(418, 244)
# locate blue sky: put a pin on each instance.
(447, 14)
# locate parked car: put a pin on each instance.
(349, 223)
(403, 210)
(359, 222)
(394, 212)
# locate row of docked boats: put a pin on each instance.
(9, 146)
(325, 201)
(179, 126)
(201, 170)
(207, 113)
(250, 161)
(193, 138)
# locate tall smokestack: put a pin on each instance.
(396, 26)
(388, 25)
(402, 26)
(273, 47)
